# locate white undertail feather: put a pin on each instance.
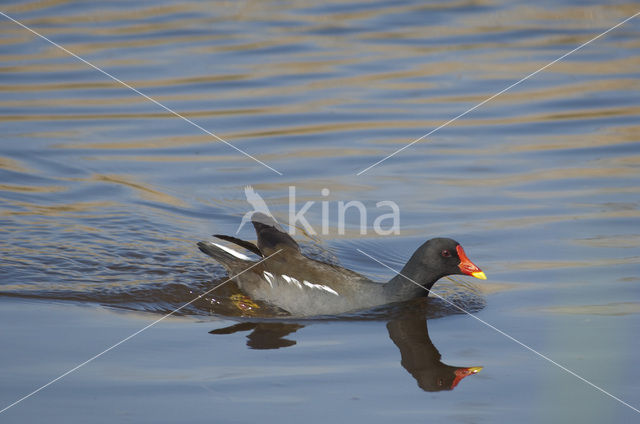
(231, 251)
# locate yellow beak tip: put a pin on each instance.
(479, 275)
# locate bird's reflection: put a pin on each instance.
(264, 335)
(421, 358)
(409, 332)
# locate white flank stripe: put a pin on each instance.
(292, 280)
(231, 251)
(269, 277)
(296, 282)
(330, 290)
(320, 287)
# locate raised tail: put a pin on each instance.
(247, 245)
(226, 256)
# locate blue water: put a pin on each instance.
(104, 194)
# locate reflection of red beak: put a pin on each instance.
(462, 373)
(468, 267)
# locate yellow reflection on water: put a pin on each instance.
(32, 189)
(144, 190)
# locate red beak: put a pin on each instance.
(462, 373)
(467, 267)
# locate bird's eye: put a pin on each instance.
(446, 254)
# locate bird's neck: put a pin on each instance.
(413, 281)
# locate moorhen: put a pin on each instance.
(306, 287)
